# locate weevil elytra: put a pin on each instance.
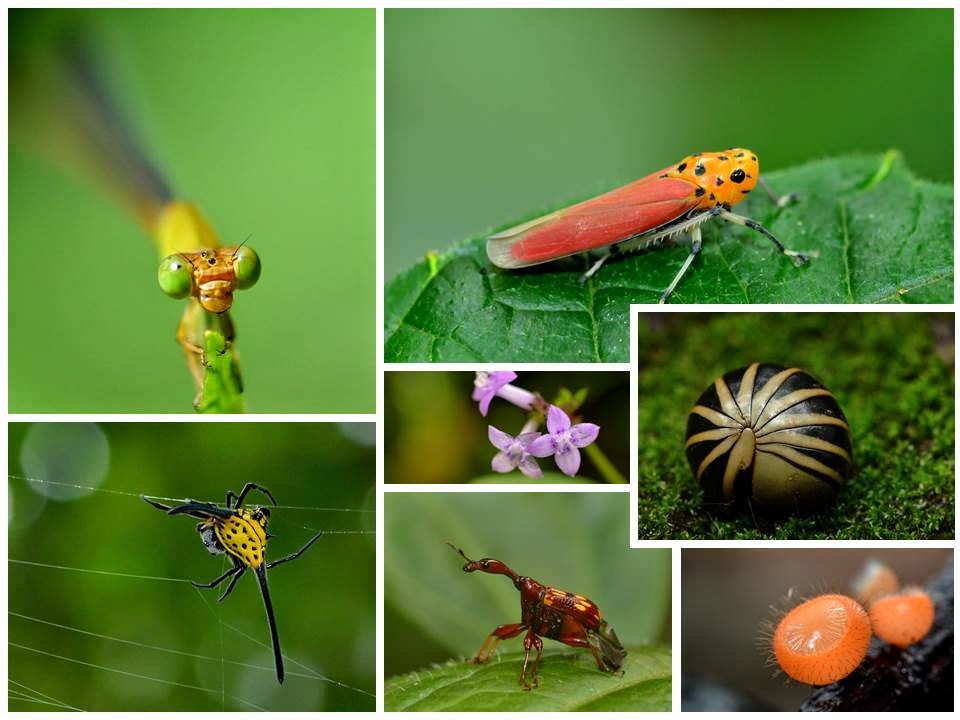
(547, 612)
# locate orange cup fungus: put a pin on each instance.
(822, 640)
(875, 581)
(900, 618)
(903, 619)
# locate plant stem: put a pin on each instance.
(602, 463)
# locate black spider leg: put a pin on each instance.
(235, 572)
(261, 573)
(243, 494)
(203, 511)
(298, 553)
(158, 506)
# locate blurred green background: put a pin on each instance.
(728, 596)
(573, 541)
(891, 372)
(265, 118)
(434, 432)
(492, 115)
(322, 476)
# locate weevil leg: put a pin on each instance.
(580, 640)
(696, 243)
(535, 672)
(799, 258)
(530, 641)
(596, 656)
(502, 632)
(779, 201)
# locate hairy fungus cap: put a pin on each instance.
(822, 640)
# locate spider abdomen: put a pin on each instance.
(208, 535)
(771, 435)
(243, 535)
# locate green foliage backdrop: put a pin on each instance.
(123, 638)
(493, 114)
(264, 118)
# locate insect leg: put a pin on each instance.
(696, 242)
(503, 632)
(530, 641)
(596, 266)
(298, 553)
(188, 337)
(776, 199)
(799, 258)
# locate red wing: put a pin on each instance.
(578, 607)
(604, 220)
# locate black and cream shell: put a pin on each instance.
(769, 435)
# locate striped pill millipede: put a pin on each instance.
(769, 435)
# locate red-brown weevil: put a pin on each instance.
(547, 612)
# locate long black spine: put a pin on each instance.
(261, 573)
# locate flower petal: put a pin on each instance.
(490, 383)
(502, 463)
(582, 434)
(543, 446)
(485, 398)
(557, 420)
(526, 438)
(528, 466)
(568, 461)
(499, 378)
(499, 439)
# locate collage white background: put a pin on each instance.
(629, 531)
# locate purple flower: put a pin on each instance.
(486, 386)
(489, 385)
(563, 440)
(513, 453)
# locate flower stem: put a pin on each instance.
(608, 472)
(529, 426)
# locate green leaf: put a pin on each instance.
(222, 385)
(882, 236)
(568, 681)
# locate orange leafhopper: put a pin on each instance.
(671, 202)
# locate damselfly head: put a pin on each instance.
(210, 275)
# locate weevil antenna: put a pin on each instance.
(458, 550)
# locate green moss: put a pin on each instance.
(893, 376)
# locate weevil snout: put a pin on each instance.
(484, 564)
(471, 564)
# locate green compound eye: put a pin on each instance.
(175, 276)
(246, 267)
